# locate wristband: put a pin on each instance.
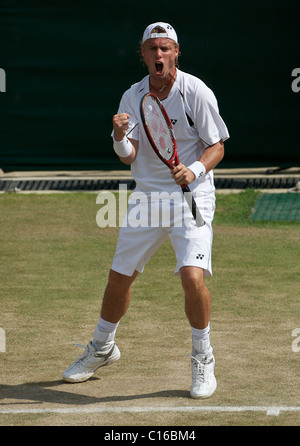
(198, 169)
(123, 148)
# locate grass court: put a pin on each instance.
(53, 270)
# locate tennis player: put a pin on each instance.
(200, 133)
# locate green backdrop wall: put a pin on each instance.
(67, 64)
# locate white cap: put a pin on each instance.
(169, 34)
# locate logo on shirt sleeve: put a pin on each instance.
(200, 256)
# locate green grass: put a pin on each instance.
(235, 209)
(53, 272)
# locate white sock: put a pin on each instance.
(104, 332)
(201, 341)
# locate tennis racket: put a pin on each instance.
(160, 134)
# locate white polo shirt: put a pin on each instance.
(193, 111)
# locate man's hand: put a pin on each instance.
(182, 175)
(210, 159)
(120, 125)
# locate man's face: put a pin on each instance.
(159, 55)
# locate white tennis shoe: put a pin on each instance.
(204, 382)
(85, 366)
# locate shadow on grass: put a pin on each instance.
(44, 392)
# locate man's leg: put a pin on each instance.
(117, 296)
(103, 350)
(197, 296)
(198, 308)
(115, 303)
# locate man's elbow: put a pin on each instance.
(127, 160)
(221, 150)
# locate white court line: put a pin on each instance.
(270, 410)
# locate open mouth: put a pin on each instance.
(159, 67)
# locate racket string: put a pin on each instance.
(160, 131)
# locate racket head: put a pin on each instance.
(159, 129)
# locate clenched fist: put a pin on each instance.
(120, 125)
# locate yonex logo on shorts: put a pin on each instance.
(200, 256)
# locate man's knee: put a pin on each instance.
(192, 279)
(119, 280)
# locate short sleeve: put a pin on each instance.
(210, 126)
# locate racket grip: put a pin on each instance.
(193, 206)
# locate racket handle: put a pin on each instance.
(193, 206)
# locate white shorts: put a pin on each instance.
(192, 244)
